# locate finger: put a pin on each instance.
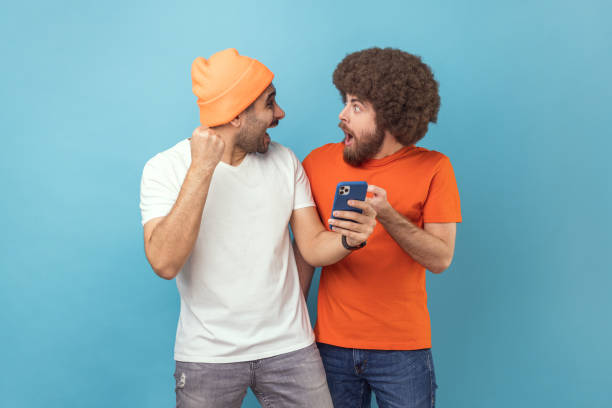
(376, 190)
(367, 211)
(349, 215)
(351, 226)
(355, 236)
(353, 216)
(365, 206)
(198, 131)
(357, 204)
(365, 219)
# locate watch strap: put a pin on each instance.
(351, 248)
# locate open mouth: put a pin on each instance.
(348, 138)
(267, 135)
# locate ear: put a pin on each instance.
(237, 121)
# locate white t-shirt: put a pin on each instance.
(240, 292)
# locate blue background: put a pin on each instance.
(91, 90)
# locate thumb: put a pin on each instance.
(375, 190)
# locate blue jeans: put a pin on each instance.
(294, 379)
(399, 379)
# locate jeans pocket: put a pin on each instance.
(179, 379)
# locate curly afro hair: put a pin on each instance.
(399, 85)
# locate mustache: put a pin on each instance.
(274, 123)
(345, 128)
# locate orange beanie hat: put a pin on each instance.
(226, 84)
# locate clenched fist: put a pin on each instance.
(206, 149)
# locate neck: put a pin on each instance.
(232, 154)
(389, 146)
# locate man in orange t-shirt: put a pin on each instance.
(373, 325)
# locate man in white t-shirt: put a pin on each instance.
(216, 210)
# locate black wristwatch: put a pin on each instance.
(351, 248)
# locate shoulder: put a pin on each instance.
(178, 155)
(278, 149)
(325, 152)
(279, 152)
(431, 158)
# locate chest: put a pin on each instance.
(255, 197)
(406, 191)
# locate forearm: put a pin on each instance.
(172, 240)
(320, 247)
(325, 248)
(425, 248)
(305, 271)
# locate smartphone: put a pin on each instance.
(348, 190)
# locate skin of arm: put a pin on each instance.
(169, 240)
(305, 271)
(433, 246)
(314, 245)
(320, 247)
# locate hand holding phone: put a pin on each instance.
(345, 191)
(354, 222)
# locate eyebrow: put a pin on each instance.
(357, 100)
(271, 96)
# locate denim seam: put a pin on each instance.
(361, 394)
(362, 388)
(431, 385)
(355, 362)
(266, 402)
(252, 370)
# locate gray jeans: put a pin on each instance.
(295, 379)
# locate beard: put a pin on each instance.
(253, 136)
(363, 148)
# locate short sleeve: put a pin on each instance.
(442, 203)
(302, 194)
(157, 192)
(307, 163)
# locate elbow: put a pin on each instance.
(308, 257)
(311, 261)
(162, 266)
(164, 271)
(440, 267)
(437, 269)
(167, 273)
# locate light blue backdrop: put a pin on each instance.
(91, 90)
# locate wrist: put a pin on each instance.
(385, 214)
(200, 176)
(350, 244)
(201, 170)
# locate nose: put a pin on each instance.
(343, 114)
(278, 112)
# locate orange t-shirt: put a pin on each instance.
(375, 298)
